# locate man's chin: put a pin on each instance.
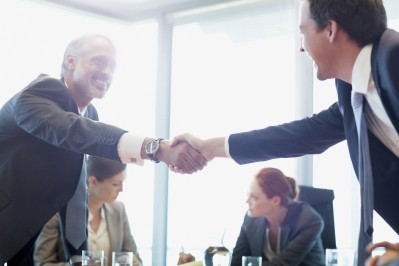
(99, 94)
(249, 213)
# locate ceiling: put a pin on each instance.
(133, 10)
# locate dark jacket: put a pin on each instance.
(316, 134)
(300, 243)
(42, 143)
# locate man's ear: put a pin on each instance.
(91, 180)
(70, 62)
(332, 30)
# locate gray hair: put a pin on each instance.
(75, 47)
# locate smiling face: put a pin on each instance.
(91, 68)
(315, 42)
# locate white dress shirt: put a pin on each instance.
(377, 118)
(99, 240)
(129, 148)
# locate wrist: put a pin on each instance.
(161, 154)
(212, 148)
(151, 149)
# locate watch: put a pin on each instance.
(151, 148)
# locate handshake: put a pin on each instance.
(186, 154)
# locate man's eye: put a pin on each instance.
(98, 61)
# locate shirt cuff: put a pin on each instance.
(226, 146)
(129, 148)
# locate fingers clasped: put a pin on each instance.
(181, 157)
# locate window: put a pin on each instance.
(230, 74)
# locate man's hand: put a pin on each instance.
(391, 253)
(195, 142)
(182, 156)
(210, 148)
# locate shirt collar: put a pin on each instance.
(361, 70)
(81, 113)
(102, 214)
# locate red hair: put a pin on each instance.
(274, 183)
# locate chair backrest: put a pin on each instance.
(322, 201)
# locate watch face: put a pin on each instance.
(152, 146)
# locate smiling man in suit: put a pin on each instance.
(45, 131)
(348, 41)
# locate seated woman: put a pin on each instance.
(277, 227)
(108, 225)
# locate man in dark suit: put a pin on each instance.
(46, 129)
(348, 41)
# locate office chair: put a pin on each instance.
(322, 201)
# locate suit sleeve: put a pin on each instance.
(47, 246)
(311, 135)
(47, 111)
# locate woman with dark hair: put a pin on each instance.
(277, 227)
(108, 225)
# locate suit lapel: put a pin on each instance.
(344, 91)
(384, 80)
(258, 234)
(112, 221)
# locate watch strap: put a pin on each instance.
(152, 156)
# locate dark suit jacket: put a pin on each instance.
(316, 134)
(300, 238)
(42, 143)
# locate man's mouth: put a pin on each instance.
(101, 84)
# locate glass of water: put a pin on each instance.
(251, 261)
(340, 257)
(122, 258)
(92, 258)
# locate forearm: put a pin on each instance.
(215, 147)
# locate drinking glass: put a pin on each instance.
(122, 258)
(340, 257)
(251, 261)
(92, 258)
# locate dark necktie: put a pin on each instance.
(365, 179)
(75, 221)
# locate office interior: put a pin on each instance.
(210, 68)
